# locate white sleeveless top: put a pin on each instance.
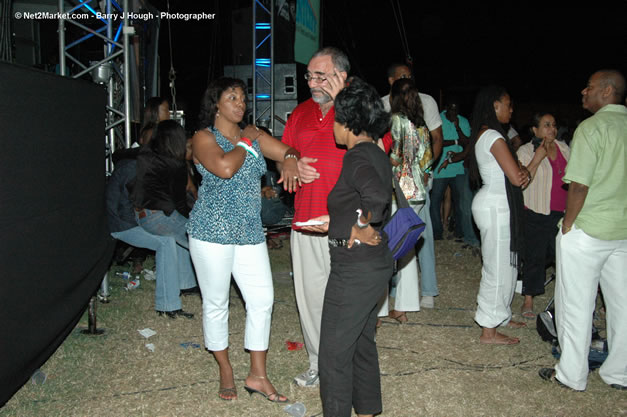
(491, 173)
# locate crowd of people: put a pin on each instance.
(533, 204)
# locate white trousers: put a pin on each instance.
(498, 276)
(407, 296)
(311, 264)
(250, 267)
(583, 263)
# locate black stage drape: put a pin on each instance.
(55, 246)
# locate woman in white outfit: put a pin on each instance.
(497, 210)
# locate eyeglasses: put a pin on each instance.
(316, 78)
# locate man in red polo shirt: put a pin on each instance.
(310, 130)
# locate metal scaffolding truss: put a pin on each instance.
(263, 64)
(113, 70)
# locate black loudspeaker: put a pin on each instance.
(55, 245)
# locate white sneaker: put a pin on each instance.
(309, 378)
(427, 301)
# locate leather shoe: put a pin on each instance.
(619, 387)
(190, 291)
(548, 374)
(176, 313)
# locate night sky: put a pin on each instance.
(541, 53)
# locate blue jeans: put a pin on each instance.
(157, 223)
(174, 265)
(462, 198)
(426, 254)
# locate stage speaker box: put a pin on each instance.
(284, 79)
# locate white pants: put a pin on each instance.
(498, 276)
(250, 267)
(407, 297)
(582, 263)
(312, 264)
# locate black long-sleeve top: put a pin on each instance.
(365, 182)
(160, 184)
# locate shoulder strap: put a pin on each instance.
(401, 201)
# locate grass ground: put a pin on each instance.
(431, 366)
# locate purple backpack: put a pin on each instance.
(404, 227)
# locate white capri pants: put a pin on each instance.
(498, 276)
(250, 267)
(584, 262)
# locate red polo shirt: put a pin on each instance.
(312, 135)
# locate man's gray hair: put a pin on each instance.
(338, 57)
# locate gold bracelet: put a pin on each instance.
(290, 155)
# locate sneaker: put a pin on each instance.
(427, 301)
(309, 378)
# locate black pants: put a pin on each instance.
(348, 361)
(540, 232)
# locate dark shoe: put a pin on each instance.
(190, 291)
(548, 374)
(176, 313)
(619, 387)
(274, 397)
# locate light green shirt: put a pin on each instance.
(598, 159)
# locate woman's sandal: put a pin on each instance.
(275, 397)
(227, 394)
(399, 316)
(528, 314)
(516, 324)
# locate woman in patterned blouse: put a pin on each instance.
(225, 230)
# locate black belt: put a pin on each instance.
(338, 243)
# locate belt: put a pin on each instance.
(141, 213)
(338, 243)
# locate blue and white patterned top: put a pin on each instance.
(228, 211)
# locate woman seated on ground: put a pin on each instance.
(545, 201)
(361, 263)
(226, 234)
(411, 157)
(497, 210)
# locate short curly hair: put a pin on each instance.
(359, 108)
(209, 102)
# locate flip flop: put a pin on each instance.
(399, 316)
(528, 314)
(516, 324)
(227, 394)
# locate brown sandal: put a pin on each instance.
(399, 316)
(227, 394)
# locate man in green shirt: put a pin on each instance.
(592, 242)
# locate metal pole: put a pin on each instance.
(61, 40)
(110, 87)
(103, 296)
(254, 63)
(271, 125)
(127, 31)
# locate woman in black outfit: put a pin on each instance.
(159, 193)
(361, 263)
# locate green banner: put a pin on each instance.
(307, 36)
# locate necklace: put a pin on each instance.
(234, 138)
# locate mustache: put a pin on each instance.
(317, 90)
